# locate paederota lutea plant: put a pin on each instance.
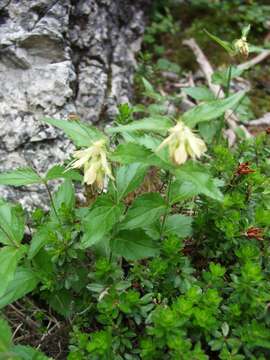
(168, 257)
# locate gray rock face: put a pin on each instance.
(58, 57)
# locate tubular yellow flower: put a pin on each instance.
(241, 46)
(183, 143)
(94, 162)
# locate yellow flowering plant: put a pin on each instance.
(143, 170)
(182, 144)
(94, 162)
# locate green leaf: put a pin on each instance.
(134, 245)
(246, 30)
(62, 302)
(148, 87)
(65, 195)
(164, 64)
(179, 225)
(38, 241)
(145, 210)
(23, 282)
(5, 336)
(225, 44)
(204, 183)
(208, 130)
(220, 77)
(20, 177)
(211, 110)
(182, 190)
(128, 178)
(100, 221)
(133, 153)
(200, 93)
(11, 225)
(9, 257)
(28, 353)
(58, 172)
(81, 134)
(159, 124)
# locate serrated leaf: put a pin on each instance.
(38, 241)
(9, 258)
(81, 134)
(179, 225)
(159, 124)
(133, 153)
(100, 220)
(61, 301)
(134, 245)
(58, 172)
(20, 177)
(145, 210)
(65, 195)
(204, 183)
(23, 282)
(211, 110)
(11, 225)
(128, 178)
(5, 336)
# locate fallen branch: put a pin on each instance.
(263, 121)
(208, 71)
(256, 60)
(205, 66)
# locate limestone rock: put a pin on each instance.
(59, 57)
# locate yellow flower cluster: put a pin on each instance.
(94, 162)
(183, 143)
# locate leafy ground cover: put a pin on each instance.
(168, 256)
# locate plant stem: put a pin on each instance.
(51, 201)
(227, 92)
(168, 195)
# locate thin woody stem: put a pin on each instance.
(168, 195)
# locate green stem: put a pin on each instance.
(227, 92)
(51, 201)
(168, 195)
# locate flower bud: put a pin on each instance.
(241, 47)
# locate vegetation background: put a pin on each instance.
(155, 242)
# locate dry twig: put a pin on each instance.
(256, 60)
(263, 121)
(208, 71)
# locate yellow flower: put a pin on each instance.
(94, 162)
(241, 46)
(183, 143)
